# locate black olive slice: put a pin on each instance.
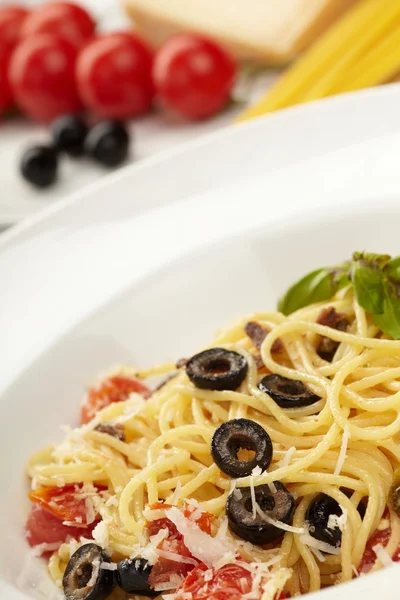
(317, 515)
(133, 576)
(278, 506)
(84, 579)
(236, 435)
(217, 369)
(287, 393)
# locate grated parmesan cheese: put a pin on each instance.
(253, 497)
(95, 573)
(177, 558)
(150, 551)
(90, 512)
(288, 456)
(42, 548)
(278, 524)
(207, 549)
(108, 566)
(173, 582)
(382, 555)
(272, 487)
(338, 521)
(318, 554)
(311, 542)
(256, 471)
(101, 535)
(343, 450)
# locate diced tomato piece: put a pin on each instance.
(114, 389)
(203, 520)
(230, 582)
(165, 568)
(380, 537)
(42, 527)
(63, 502)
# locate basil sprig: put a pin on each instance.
(376, 282)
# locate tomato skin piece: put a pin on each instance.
(113, 389)
(114, 75)
(42, 527)
(65, 19)
(193, 76)
(42, 77)
(230, 582)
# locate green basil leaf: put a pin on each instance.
(389, 320)
(392, 269)
(317, 286)
(368, 286)
(371, 259)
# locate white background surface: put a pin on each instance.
(151, 134)
(101, 279)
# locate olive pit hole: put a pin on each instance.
(83, 575)
(266, 503)
(217, 367)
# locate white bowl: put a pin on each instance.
(85, 288)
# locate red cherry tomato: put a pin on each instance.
(61, 18)
(42, 77)
(11, 20)
(114, 75)
(230, 582)
(193, 76)
(42, 527)
(114, 389)
(6, 98)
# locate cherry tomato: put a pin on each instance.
(6, 98)
(114, 75)
(42, 527)
(42, 77)
(193, 76)
(11, 20)
(230, 582)
(65, 19)
(63, 502)
(114, 389)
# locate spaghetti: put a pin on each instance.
(159, 476)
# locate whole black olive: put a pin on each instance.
(39, 166)
(108, 143)
(133, 576)
(217, 369)
(69, 134)
(84, 579)
(278, 505)
(287, 393)
(237, 434)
